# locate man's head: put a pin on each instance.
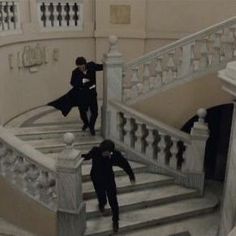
(107, 147)
(81, 63)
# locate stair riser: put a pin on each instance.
(155, 222)
(145, 204)
(132, 188)
(56, 149)
(56, 135)
(86, 178)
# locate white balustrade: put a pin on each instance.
(60, 14)
(210, 49)
(9, 16)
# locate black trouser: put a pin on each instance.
(93, 107)
(104, 191)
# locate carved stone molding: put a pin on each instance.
(32, 57)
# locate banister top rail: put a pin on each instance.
(181, 42)
(161, 126)
(27, 150)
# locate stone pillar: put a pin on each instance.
(194, 162)
(228, 208)
(112, 83)
(71, 215)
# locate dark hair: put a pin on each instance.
(80, 61)
(107, 145)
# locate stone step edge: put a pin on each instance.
(138, 169)
(156, 222)
(132, 188)
(61, 145)
(145, 204)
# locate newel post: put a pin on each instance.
(112, 82)
(195, 153)
(71, 207)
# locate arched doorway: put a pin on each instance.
(219, 120)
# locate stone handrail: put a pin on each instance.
(170, 150)
(54, 183)
(190, 57)
(28, 169)
(162, 127)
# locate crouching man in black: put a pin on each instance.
(103, 158)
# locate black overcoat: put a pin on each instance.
(80, 94)
(102, 172)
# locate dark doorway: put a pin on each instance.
(219, 120)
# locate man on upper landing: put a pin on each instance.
(84, 79)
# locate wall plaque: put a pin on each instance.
(120, 14)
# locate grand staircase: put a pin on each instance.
(153, 201)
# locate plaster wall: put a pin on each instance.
(150, 24)
(36, 218)
(179, 104)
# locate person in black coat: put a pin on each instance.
(103, 158)
(83, 94)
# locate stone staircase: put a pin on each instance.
(154, 200)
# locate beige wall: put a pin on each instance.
(150, 24)
(176, 106)
(20, 210)
(22, 90)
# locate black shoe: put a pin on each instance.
(84, 127)
(92, 131)
(115, 226)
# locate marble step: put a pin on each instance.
(86, 167)
(143, 180)
(50, 131)
(136, 167)
(152, 216)
(57, 144)
(143, 198)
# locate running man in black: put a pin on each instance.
(103, 158)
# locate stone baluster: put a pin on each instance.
(158, 72)
(120, 126)
(203, 53)
(217, 46)
(71, 215)
(150, 142)
(194, 60)
(173, 151)
(171, 72)
(134, 77)
(139, 137)
(128, 128)
(161, 159)
(146, 76)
